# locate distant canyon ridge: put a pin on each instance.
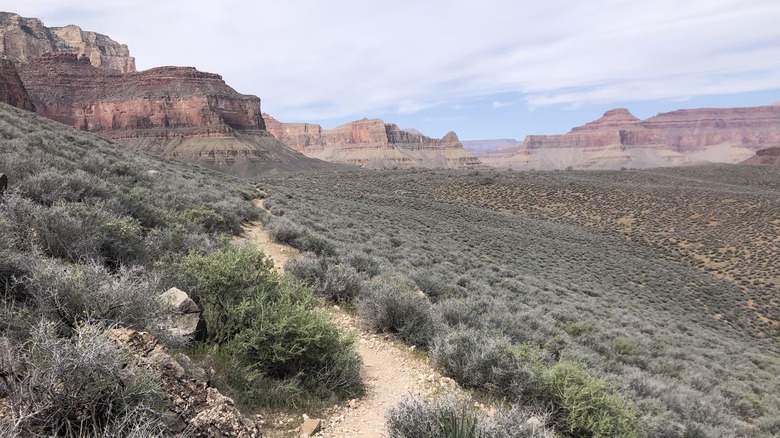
(88, 81)
(618, 139)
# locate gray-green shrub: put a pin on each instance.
(391, 305)
(83, 385)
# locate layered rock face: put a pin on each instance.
(22, 39)
(177, 112)
(765, 157)
(372, 143)
(12, 89)
(618, 139)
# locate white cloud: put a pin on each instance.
(365, 57)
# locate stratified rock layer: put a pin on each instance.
(12, 89)
(618, 139)
(372, 143)
(22, 39)
(177, 112)
(765, 157)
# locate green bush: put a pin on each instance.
(266, 326)
(285, 339)
(221, 280)
(584, 405)
(391, 305)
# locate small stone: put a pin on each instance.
(310, 426)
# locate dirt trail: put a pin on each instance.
(391, 370)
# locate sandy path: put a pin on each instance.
(391, 370)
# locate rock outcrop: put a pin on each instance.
(618, 139)
(22, 39)
(765, 157)
(12, 89)
(196, 409)
(372, 143)
(177, 112)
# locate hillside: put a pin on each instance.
(670, 298)
(91, 235)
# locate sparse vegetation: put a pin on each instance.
(668, 299)
(91, 233)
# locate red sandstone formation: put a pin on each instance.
(374, 144)
(765, 157)
(22, 39)
(619, 139)
(12, 89)
(178, 112)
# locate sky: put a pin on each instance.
(484, 69)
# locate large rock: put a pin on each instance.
(12, 89)
(22, 39)
(177, 112)
(372, 143)
(618, 139)
(186, 320)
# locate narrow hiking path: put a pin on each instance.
(391, 370)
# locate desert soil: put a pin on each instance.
(391, 370)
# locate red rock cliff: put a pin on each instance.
(372, 143)
(177, 112)
(22, 39)
(12, 89)
(156, 102)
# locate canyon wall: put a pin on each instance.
(12, 90)
(372, 143)
(177, 112)
(23, 39)
(618, 139)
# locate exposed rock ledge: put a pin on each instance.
(22, 39)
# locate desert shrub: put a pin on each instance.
(341, 284)
(453, 418)
(334, 281)
(585, 405)
(78, 232)
(221, 280)
(362, 262)
(485, 361)
(310, 242)
(50, 186)
(82, 385)
(213, 220)
(436, 285)
(72, 293)
(284, 339)
(284, 231)
(308, 268)
(266, 327)
(392, 305)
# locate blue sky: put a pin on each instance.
(489, 69)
